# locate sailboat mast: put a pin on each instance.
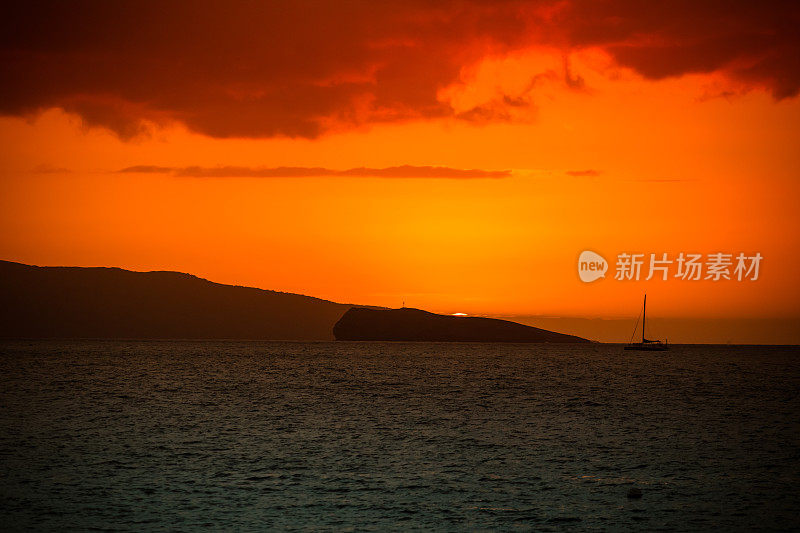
(644, 315)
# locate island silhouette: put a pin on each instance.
(408, 324)
(113, 303)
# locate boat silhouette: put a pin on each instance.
(646, 345)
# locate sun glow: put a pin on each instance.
(599, 156)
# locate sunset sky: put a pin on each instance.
(457, 156)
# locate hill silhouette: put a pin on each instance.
(76, 302)
(112, 303)
(406, 324)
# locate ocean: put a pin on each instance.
(253, 436)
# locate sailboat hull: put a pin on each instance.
(647, 347)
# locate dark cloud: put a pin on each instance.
(300, 68)
(575, 82)
(404, 171)
(147, 169)
(583, 173)
(756, 43)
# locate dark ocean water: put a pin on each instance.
(178, 436)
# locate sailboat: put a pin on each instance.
(646, 345)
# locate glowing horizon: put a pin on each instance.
(457, 158)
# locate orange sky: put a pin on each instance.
(682, 157)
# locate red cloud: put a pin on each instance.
(258, 69)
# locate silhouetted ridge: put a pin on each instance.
(363, 324)
(75, 302)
